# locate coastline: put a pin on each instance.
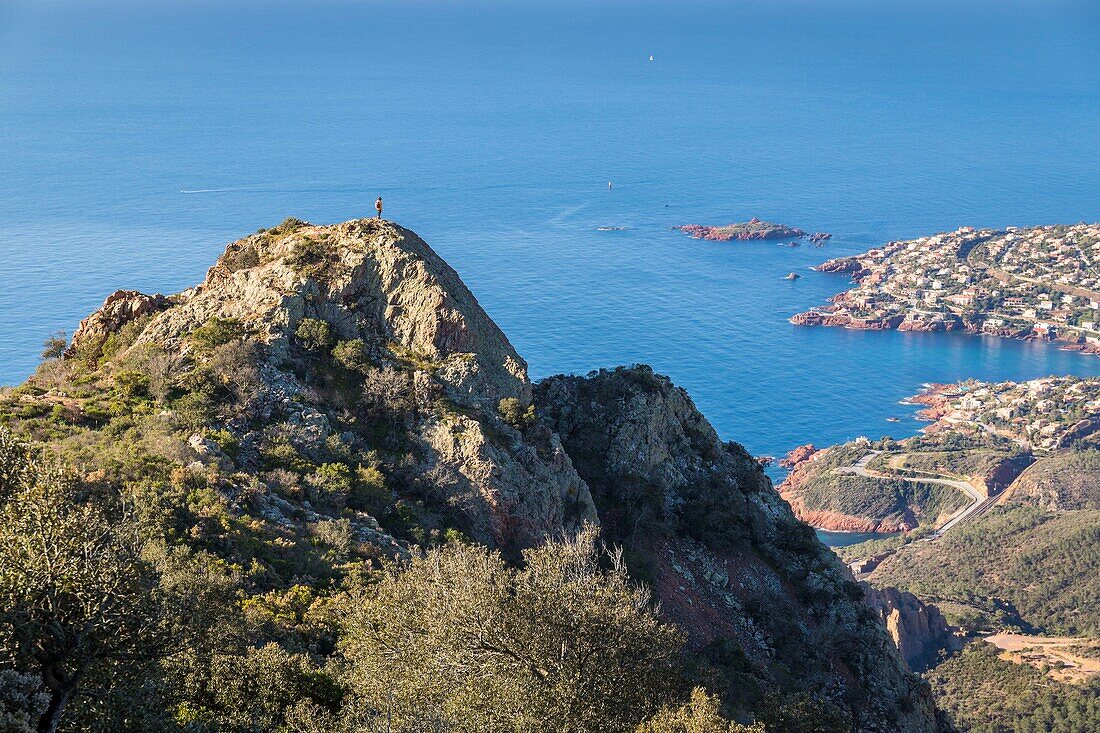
(900, 322)
(1028, 284)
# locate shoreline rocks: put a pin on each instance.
(798, 455)
(843, 265)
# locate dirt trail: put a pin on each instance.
(1060, 653)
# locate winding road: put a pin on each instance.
(979, 504)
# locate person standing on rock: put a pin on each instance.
(378, 207)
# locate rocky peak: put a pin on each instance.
(119, 309)
(359, 336)
(367, 279)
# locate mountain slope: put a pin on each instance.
(332, 397)
(726, 556)
(301, 316)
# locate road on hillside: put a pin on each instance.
(979, 504)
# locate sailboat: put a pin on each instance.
(650, 57)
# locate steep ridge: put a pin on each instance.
(300, 315)
(728, 559)
(336, 392)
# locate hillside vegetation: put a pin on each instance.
(1064, 481)
(985, 694)
(319, 494)
(825, 492)
(1023, 567)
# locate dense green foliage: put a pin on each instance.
(985, 694)
(460, 638)
(699, 715)
(105, 627)
(1024, 567)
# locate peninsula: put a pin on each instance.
(981, 437)
(1036, 283)
(1004, 475)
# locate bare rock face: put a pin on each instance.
(439, 365)
(918, 629)
(850, 265)
(798, 455)
(367, 279)
(120, 308)
(725, 555)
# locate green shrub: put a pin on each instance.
(217, 332)
(288, 226)
(132, 383)
(54, 346)
(240, 257)
(123, 339)
(352, 355)
(330, 484)
(227, 442)
(515, 414)
(314, 334)
(310, 257)
(699, 715)
(564, 643)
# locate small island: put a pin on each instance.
(753, 229)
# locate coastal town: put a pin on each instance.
(1038, 283)
(1038, 415)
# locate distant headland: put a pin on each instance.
(1037, 283)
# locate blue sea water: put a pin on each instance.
(137, 138)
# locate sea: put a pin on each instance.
(546, 150)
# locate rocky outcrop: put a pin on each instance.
(846, 320)
(121, 308)
(850, 265)
(439, 365)
(368, 280)
(798, 455)
(1004, 472)
(918, 629)
(749, 230)
(835, 521)
(925, 325)
(725, 555)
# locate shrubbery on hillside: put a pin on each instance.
(1045, 565)
(985, 694)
